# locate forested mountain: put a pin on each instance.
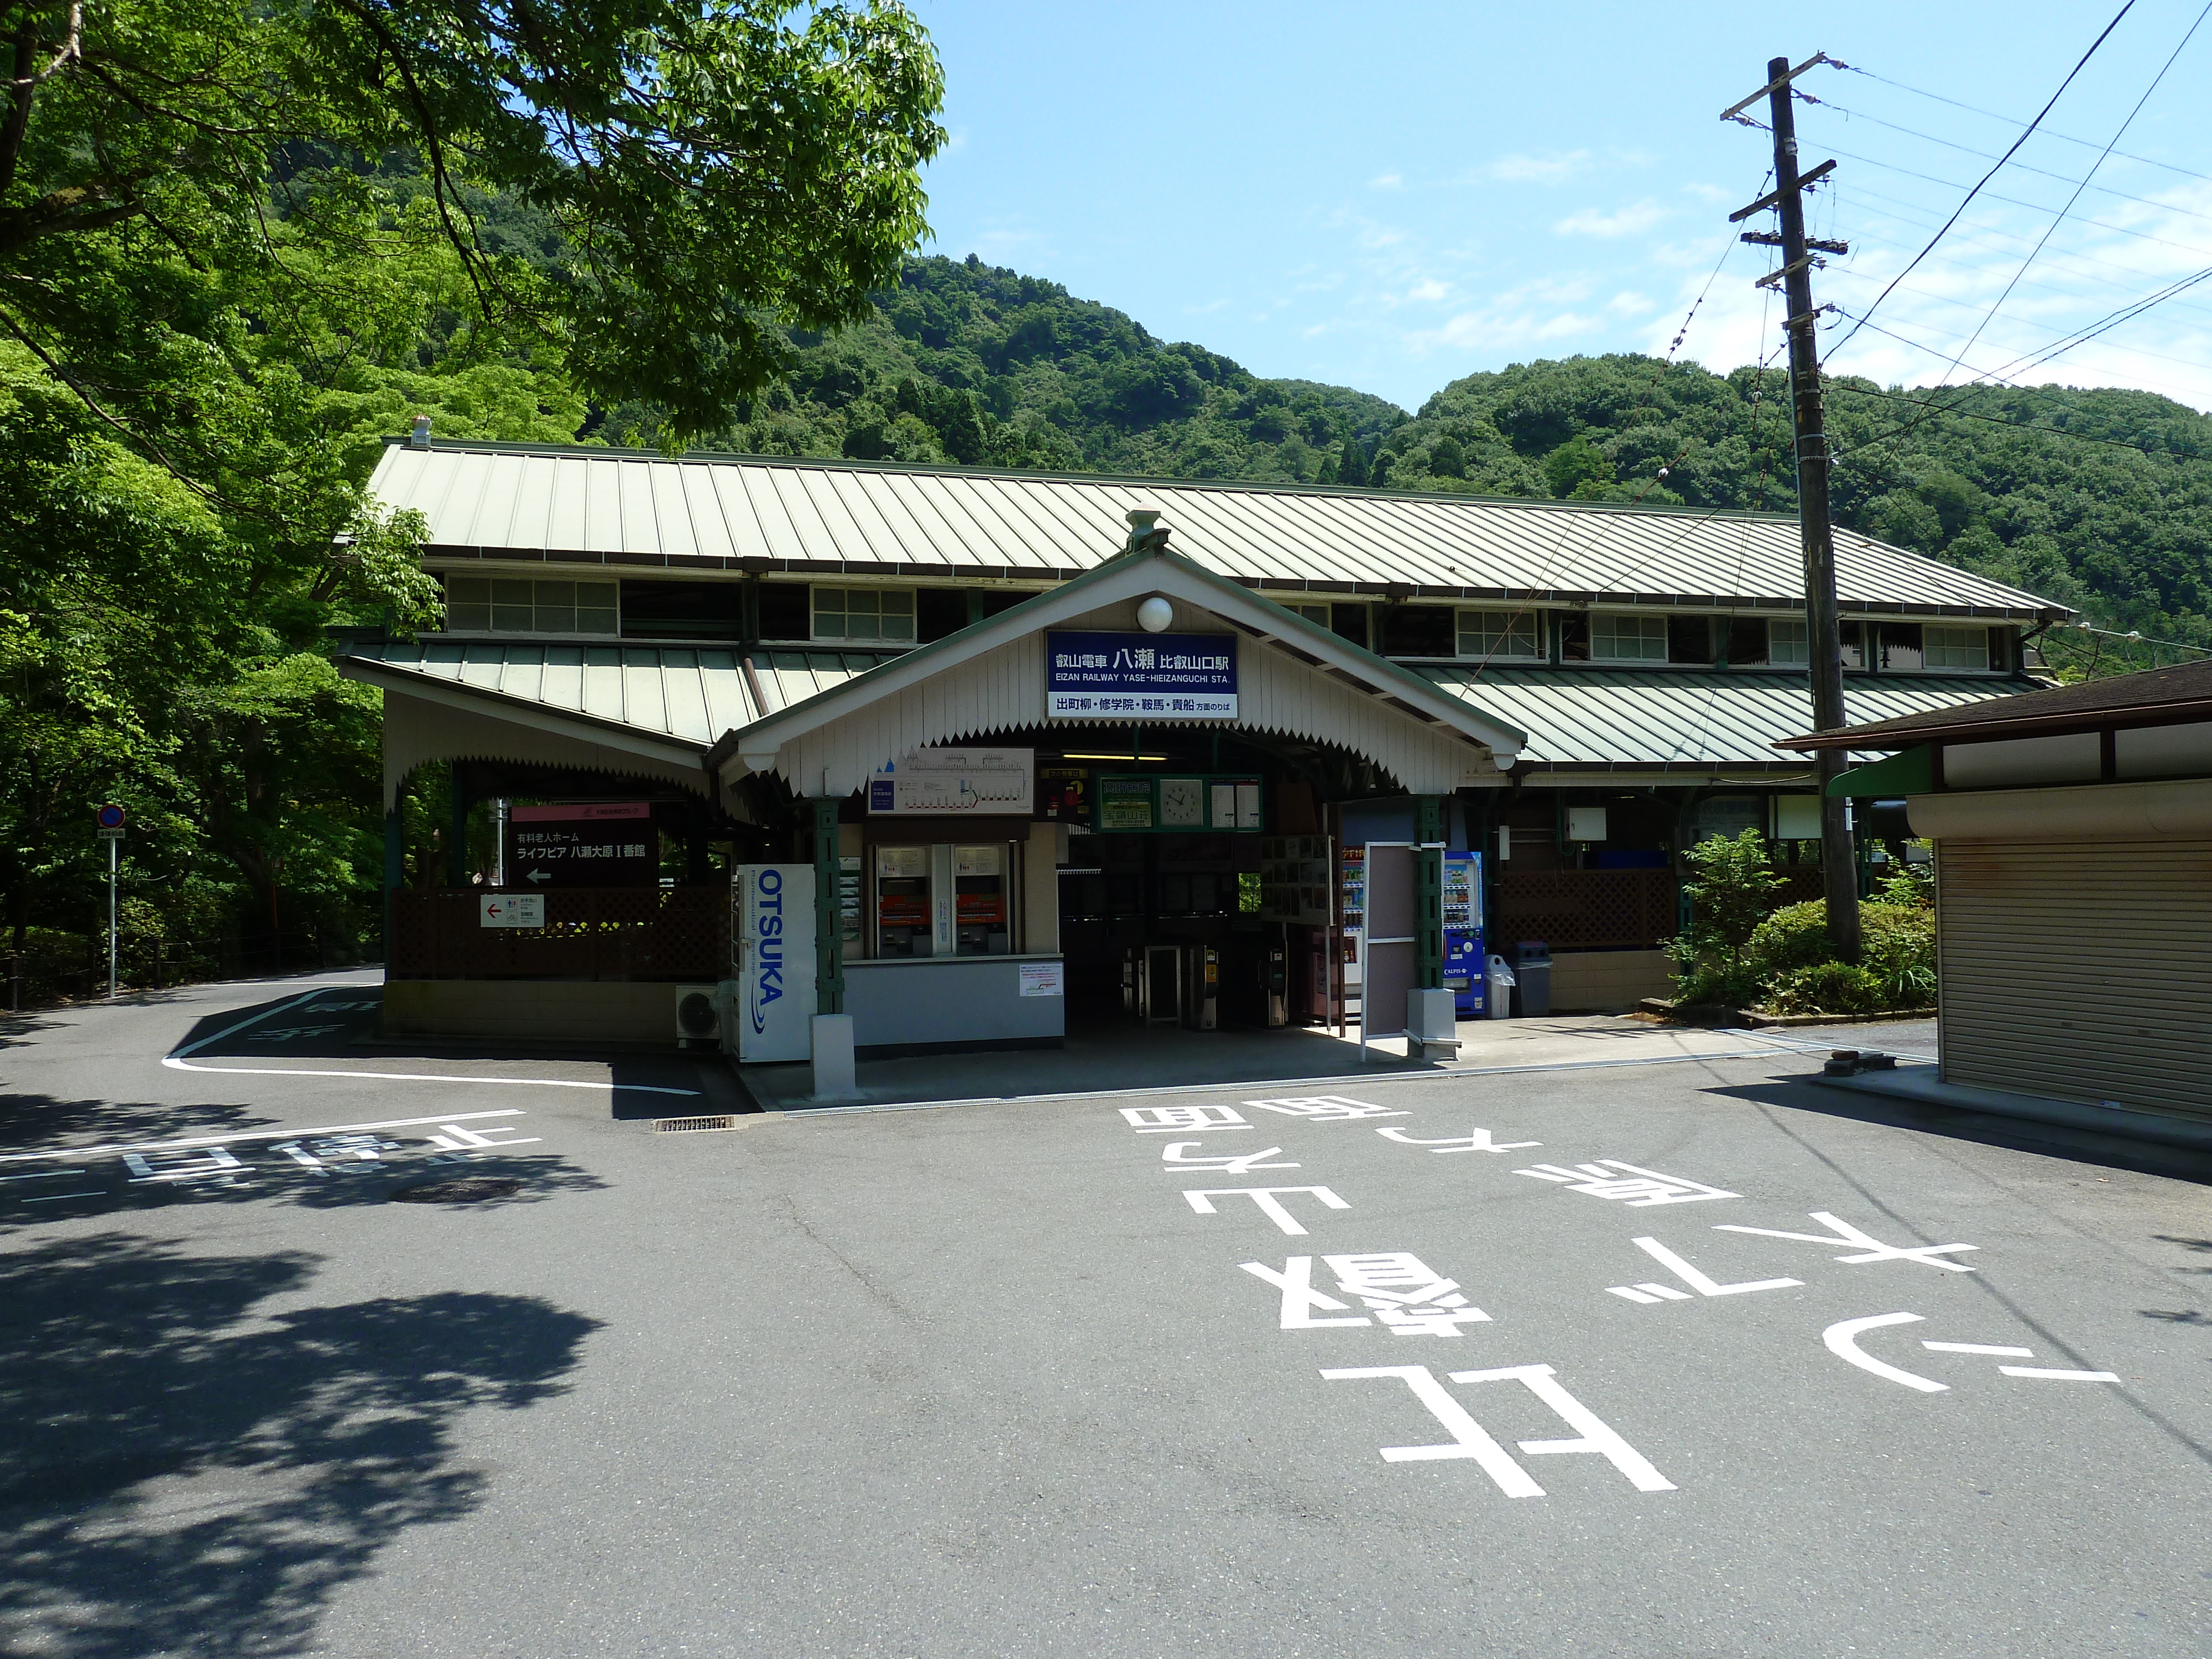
(975, 365)
(971, 364)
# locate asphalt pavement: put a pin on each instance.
(312, 1343)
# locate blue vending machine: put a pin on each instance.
(1463, 952)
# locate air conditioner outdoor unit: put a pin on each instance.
(698, 1015)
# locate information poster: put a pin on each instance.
(991, 781)
(1042, 979)
(582, 844)
(1169, 804)
(1126, 803)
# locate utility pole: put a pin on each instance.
(1824, 635)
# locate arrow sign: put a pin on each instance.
(538, 875)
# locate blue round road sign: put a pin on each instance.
(111, 818)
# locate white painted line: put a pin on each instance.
(1698, 1281)
(1839, 1338)
(177, 1064)
(1666, 1293)
(42, 1175)
(268, 1013)
(1442, 1074)
(55, 1198)
(250, 1135)
(2058, 1376)
(1628, 1295)
(1979, 1348)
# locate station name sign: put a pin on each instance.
(1141, 675)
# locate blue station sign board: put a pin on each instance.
(1141, 675)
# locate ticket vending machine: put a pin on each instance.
(1463, 932)
(1201, 988)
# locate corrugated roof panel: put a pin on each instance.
(693, 694)
(671, 511)
(564, 518)
(703, 510)
(1622, 718)
(782, 540)
(789, 509)
(604, 530)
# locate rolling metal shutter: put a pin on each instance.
(2079, 970)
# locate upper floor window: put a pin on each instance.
(1316, 614)
(1956, 647)
(1501, 636)
(1787, 641)
(875, 616)
(498, 605)
(1620, 637)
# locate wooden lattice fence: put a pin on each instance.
(1585, 909)
(674, 934)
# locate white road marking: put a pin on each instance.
(1696, 1280)
(1468, 1437)
(43, 1175)
(55, 1198)
(1979, 1348)
(1838, 1337)
(251, 1134)
(1475, 1140)
(1872, 1248)
(2058, 1376)
(177, 1064)
(255, 1019)
(1627, 1294)
(1201, 1201)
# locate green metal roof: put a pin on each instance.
(1687, 720)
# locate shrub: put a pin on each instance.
(1826, 987)
(1731, 893)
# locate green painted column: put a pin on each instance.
(829, 927)
(1429, 891)
(456, 836)
(395, 872)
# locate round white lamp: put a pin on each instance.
(1154, 614)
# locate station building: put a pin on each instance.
(1065, 749)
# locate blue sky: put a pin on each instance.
(1391, 198)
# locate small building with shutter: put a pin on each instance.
(2072, 833)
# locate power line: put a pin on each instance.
(2060, 218)
(2128, 6)
(1962, 413)
(2013, 121)
(2014, 201)
(2018, 167)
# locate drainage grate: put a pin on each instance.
(465, 1190)
(678, 1125)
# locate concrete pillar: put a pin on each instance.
(828, 923)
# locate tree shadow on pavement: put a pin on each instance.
(181, 1475)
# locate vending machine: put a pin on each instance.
(1463, 932)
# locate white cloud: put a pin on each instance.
(1427, 291)
(1630, 220)
(1538, 169)
(1629, 303)
(1387, 181)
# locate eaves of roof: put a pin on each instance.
(1411, 693)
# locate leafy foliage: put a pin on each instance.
(2030, 486)
(976, 365)
(1731, 891)
(240, 243)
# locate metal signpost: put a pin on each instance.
(110, 820)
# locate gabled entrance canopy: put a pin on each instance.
(1295, 678)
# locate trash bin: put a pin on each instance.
(1498, 1003)
(1532, 978)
